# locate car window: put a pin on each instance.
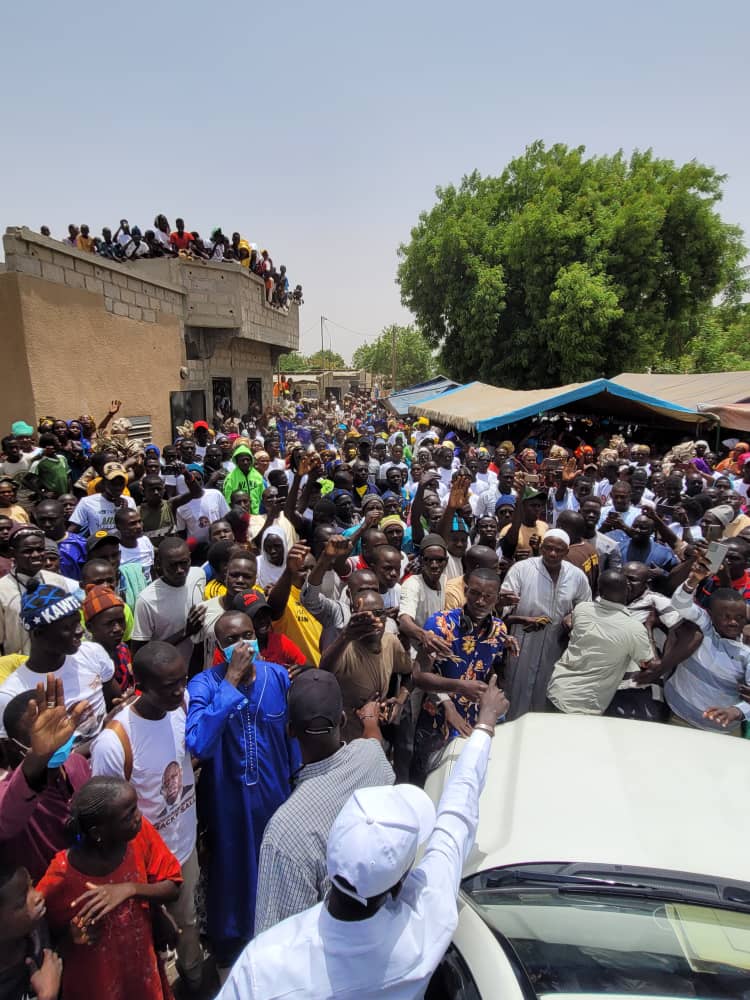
(452, 979)
(578, 941)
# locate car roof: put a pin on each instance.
(611, 791)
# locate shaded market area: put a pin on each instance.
(672, 401)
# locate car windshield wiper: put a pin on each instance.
(510, 880)
(514, 877)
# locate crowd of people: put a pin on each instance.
(230, 661)
(131, 243)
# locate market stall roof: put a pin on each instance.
(480, 407)
(400, 401)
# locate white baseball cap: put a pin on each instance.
(374, 840)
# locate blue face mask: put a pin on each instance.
(252, 643)
(61, 754)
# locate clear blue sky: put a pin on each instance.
(320, 130)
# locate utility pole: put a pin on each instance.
(393, 360)
(322, 318)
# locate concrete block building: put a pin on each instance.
(171, 338)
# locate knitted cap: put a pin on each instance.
(44, 604)
(99, 598)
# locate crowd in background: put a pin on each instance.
(220, 652)
(131, 243)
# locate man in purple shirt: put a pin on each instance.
(36, 792)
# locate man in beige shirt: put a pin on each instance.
(604, 641)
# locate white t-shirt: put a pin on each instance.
(96, 513)
(196, 516)
(162, 610)
(83, 675)
(420, 601)
(162, 773)
(142, 552)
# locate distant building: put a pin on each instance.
(172, 338)
(317, 384)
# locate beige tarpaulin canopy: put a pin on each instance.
(631, 396)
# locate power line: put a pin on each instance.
(357, 333)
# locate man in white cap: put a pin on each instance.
(384, 927)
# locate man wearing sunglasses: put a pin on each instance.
(363, 660)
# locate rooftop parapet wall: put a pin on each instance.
(223, 296)
(199, 293)
(125, 292)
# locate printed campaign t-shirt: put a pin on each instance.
(198, 515)
(142, 552)
(83, 674)
(97, 513)
(162, 773)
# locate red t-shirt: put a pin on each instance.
(181, 242)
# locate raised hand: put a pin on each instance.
(114, 407)
(53, 724)
(296, 556)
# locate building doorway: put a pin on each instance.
(255, 396)
(222, 403)
(183, 406)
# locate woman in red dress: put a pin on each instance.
(100, 892)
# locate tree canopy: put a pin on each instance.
(414, 359)
(296, 362)
(567, 268)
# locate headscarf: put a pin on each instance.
(268, 573)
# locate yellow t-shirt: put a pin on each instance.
(16, 513)
(214, 588)
(301, 627)
(525, 532)
(11, 663)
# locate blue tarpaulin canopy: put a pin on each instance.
(399, 402)
(479, 407)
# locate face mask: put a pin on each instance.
(61, 754)
(252, 643)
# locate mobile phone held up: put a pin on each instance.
(715, 555)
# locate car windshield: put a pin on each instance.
(618, 934)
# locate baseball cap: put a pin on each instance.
(249, 603)
(315, 703)
(374, 839)
(115, 470)
(98, 538)
(21, 429)
(529, 493)
(200, 423)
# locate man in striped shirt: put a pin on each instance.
(292, 873)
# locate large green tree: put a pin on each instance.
(296, 362)
(414, 359)
(567, 268)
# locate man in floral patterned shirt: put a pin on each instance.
(456, 683)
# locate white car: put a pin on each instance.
(612, 860)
